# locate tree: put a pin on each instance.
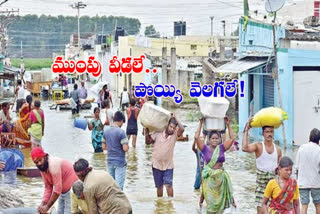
(150, 31)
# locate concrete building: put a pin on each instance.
(299, 71)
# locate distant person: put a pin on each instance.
(117, 146)
(96, 126)
(6, 118)
(282, 191)
(308, 171)
(268, 156)
(78, 203)
(100, 191)
(162, 155)
(132, 126)
(36, 130)
(124, 99)
(101, 96)
(109, 113)
(58, 176)
(108, 96)
(83, 92)
(75, 96)
(20, 95)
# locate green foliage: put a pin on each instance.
(150, 31)
(234, 125)
(43, 35)
(32, 63)
(194, 116)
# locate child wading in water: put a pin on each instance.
(283, 191)
(97, 131)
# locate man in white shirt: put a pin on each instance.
(308, 171)
(124, 99)
(20, 95)
(5, 118)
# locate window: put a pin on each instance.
(250, 42)
(193, 47)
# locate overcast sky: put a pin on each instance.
(161, 14)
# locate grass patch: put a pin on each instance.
(32, 63)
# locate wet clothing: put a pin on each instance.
(282, 199)
(132, 127)
(96, 135)
(262, 180)
(103, 195)
(266, 166)
(78, 204)
(162, 177)
(75, 96)
(163, 149)
(59, 177)
(197, 182)
(207, 153)
(115, 138)
(267, 162)
(37, 123)
(217, 187)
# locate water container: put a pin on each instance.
(213, 123)
(80, 123)
(213, 106)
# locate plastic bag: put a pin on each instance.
(272, 116)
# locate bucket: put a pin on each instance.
(80, 123)
(213, 123)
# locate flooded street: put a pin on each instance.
(61, 139)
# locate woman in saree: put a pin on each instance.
(36, 129)
(283, 191)
(216, 183)
(21, 126)
(97, 131)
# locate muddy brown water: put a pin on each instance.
(63, 140)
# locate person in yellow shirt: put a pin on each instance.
(78, 203)
(283, 191)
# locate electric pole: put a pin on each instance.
(78, 5)
(211, 17)
(224, 27)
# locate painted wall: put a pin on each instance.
(261, 37)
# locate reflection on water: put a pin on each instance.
(63, 140)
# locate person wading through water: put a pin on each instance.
(283, 191)
(100, 191)
(162, 155)
(216, 186)
(132, 126)
(268, 156)
(96, 126)
(36, 130)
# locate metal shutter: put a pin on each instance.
(268, 91)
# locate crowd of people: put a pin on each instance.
(79, 188)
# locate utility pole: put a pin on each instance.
(78, 5)
(211, 38)
(224, 27)
(211, 17)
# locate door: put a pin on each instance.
(306, 96)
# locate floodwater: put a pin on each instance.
(63, 140)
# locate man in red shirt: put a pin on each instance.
(58, 176)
